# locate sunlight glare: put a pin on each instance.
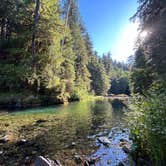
(124, 47)
(143, 34)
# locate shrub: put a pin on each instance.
(147, 121)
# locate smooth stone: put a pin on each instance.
(121, 144)
(123, 140)
(73, 144)
(126, 149)
(27, 160)
(86, 163)
(41, 161)
(120, 164)
(4, 139)
(109, 162)
(93, 160)
(78, 159)
(22, 142)
(104, 141)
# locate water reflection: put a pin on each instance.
(68, 129)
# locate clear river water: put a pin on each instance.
(67, 133)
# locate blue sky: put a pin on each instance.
(107, 22)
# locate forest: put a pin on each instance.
(47, 57)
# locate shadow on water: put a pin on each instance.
(118, 105)
(67, 131)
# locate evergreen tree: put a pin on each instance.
(82, 80)
(108, 64)
(151, 15)
(100, 81)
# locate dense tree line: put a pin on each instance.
(46, 52)
(148, 78)
(118, 73)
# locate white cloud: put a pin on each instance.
(124, 47)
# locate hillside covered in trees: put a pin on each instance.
(46, 55)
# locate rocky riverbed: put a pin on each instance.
(88, 133)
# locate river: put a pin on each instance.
(64, 132)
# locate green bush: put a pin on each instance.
(147, 121)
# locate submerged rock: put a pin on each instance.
(41, 161)
(6, 138)
(22, 142)
(120, 164)
(104, 140)
(126, 149)
(86, 163)
(86, 160)
(123, 140)
(41, 121)
(78, 159)
(109, 162)
(92, 160)
(73, 144)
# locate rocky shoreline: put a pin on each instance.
(113, 148)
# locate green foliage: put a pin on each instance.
(119, 86)
(100, 80)
(147, 122)
(46, 51)
(150, 54)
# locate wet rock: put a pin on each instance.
(41, 121)
(6, 124)
(22, 142)
(86, 163)
(109, 162)
(120, 164)
(121, 144)
(91, 136)
(102, 134)
(28, 161)
(124, 130)
(104, 140)
(41, 161)
(104, 154)
(1, 152)
(33, 152)
(92, 160)
(126, 149)
(123, 140)
(5, 139)
(78, 159)
(73, 144)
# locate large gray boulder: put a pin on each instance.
(41, 161)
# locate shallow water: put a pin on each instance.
(65, 132)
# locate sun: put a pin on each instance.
(143, 34)
(126, 42)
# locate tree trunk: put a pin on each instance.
(36, 19)
(2, 28)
